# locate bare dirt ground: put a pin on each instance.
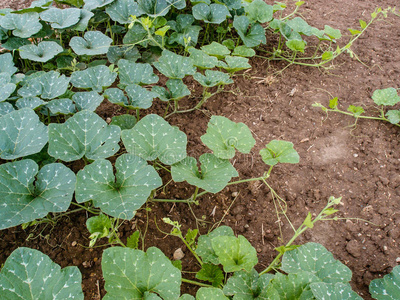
(360, 164)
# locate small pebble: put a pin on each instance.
(178, 254)
(398, 260)
(246, 226)
(355, 155)
(385, 248)
(235, 194)
(108, 120)
(74, 243)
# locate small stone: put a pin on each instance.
(235, 194)
(385, 248)
(355, 155)
(74, 243)
(108, 120)
(178, 254)
(246, 226)
(398, 260)
(95, 259)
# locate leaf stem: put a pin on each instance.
(196, 283)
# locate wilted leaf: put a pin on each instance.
(61, 18)
(95, 78)
(43, 52)
(333, 34)
(22, 25)
(23, 199)
(153, 137)
(214, 175)
(251, 37)
(92, 43)
(29, 274)
(174, 66)
(279, 152)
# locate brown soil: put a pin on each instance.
(359, 164)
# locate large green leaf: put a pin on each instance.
(21, 134)
(61, 18)
(210, 293)
(63, 106)
(23, 199)
(130, 53)
(176, 90)
(388, 287)
(292, 286)
(300, 26)
(119, 197)
(213, 78)
(243, 51)
(154, 8)
(95, 78)
(93, 4)
(84, 134)
(251, 37)
(22, 25)
(204, 246)
(43, 52)
(47, 85)
(83, 22)
(185, 33)
(136, 35)
(7, 87)
(224, 137)
(137, 73)
(134, 274)
(174, 66)
(236, 63)
(279, 152)
(314, 258)
(259, 11)
(29, 102)
(248, 285)
(121, 11)
(216, 49)
(234, 253)
(87, 100)
(139, 97)
(214, 176)
(212, 273)
(202, 60)
(92, 43)
(7, 64)
(30, 275)
(387, 96)
(5, 108)
(153, 137)
(330, 291)
(214, 13)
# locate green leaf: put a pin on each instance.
(22, 134)
(224, 137)
(76, 3)
(387, 287)
(136, 35)
(292, 286)
(134, 274)
(124, 121)
(327, 55)
(130, 53)
(212, 78)
(116, 96)
(211, 273)
(214, 176)
(279, 152)
(83, 22)
(7, 64)
(5, 108)
(176, 90)
(93, 4)
(118, 196)
(231, 4)
(186, 297)
(139, 97)
(121, 11)
(356, 110)
(210, 293)
(296, 45)
(14, 43)
(214, 13)
(7, 87)
(248, 285)
(61, 18)
(326, 268)
(154, 8)
(94, 78)
(174, 66)
(333, 34)
(243, 51)
(363, 24)
(133, 240)
(300, 26)
(87, 100)
(23, 199)
(43, 52)
(308, 221)
(29, 274)
(22, 25)
(393, 116)
(251, 37)
(234, 253)
(100, 224)
(185, 34)
(216, 49)
(137, 73)
(84, 134)
(92, 43)
(235, 64)
(330, 291)
(354, 31)
(259, 11)
(387, 96)
(29, 102)
(190, 237)
(204, 247)
(48, 85)
(230, 44)
(153, 137)
(63, 106)
(202, 60)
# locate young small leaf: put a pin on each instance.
(296, 45)
(308, 221)
(124, 121)
(214, 176)
(23, 274)
(92, 43)
(333, 103)
(211, 273)
(43, 52)
(279, 152)
(363, 24)
(356, 110)
(387, 96)
(133, 240)
(99, 224)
